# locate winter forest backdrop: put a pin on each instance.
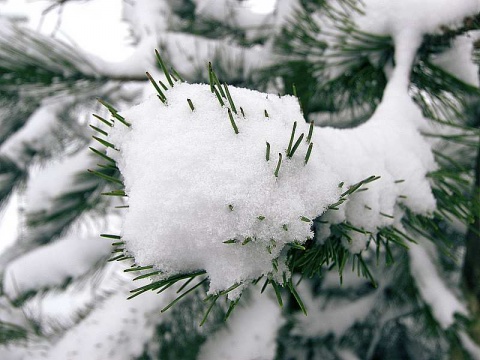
(240, 207)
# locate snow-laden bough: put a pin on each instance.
(223, 181)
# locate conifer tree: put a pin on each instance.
(414, 289)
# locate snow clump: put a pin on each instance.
(202, 194)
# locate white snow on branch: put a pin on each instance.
(443, 302)
(52, 264)
(194, 184)
(415, 17)
(458, 59)
(36, 133)
(42, 191)
(115, 329)
(250, 333)
(331, 317)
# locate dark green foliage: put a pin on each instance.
(40, 62)
(70, 205)
(10, 176)
(178, 335)
(11, 333)
(356, 58)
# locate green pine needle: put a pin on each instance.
(163, 85)
(104, 142)
(214, 300)
(232, 121)
(164, 68)
(183, 295)
(161, 95)
(229, 98)
(139, 268)
(232, 306)
(217, 83)
(247, 240)
(99, 130)
(109, 107)
(110, 236)
(297, 246)
(278, 165)
(267, 153)
(190, 104)
(217, 94)
(310, 132)
(292, 137)
(210, 76)
(292, 289)
(277, 292)
(105, 177)
(106, 122)
(295, 147)
(102, 155)
(309, 151)
(114, 112)
(150, 274)
(175, 72)
(115, 193)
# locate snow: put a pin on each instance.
(36, 132)
(52, 264)
(331, 317)
(41, 190)
(111, 331)
(60, 309)
(250, 333)
(183, 169)
(106, 35)
(415, 17)
(443, 302)
(458, 60)
(9, 220)
(194, 184)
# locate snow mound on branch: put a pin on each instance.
(194, 184)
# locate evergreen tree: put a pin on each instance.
(416, 303)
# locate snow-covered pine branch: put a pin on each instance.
(221, 179)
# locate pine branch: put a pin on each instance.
(471, 268)
(11, 333)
